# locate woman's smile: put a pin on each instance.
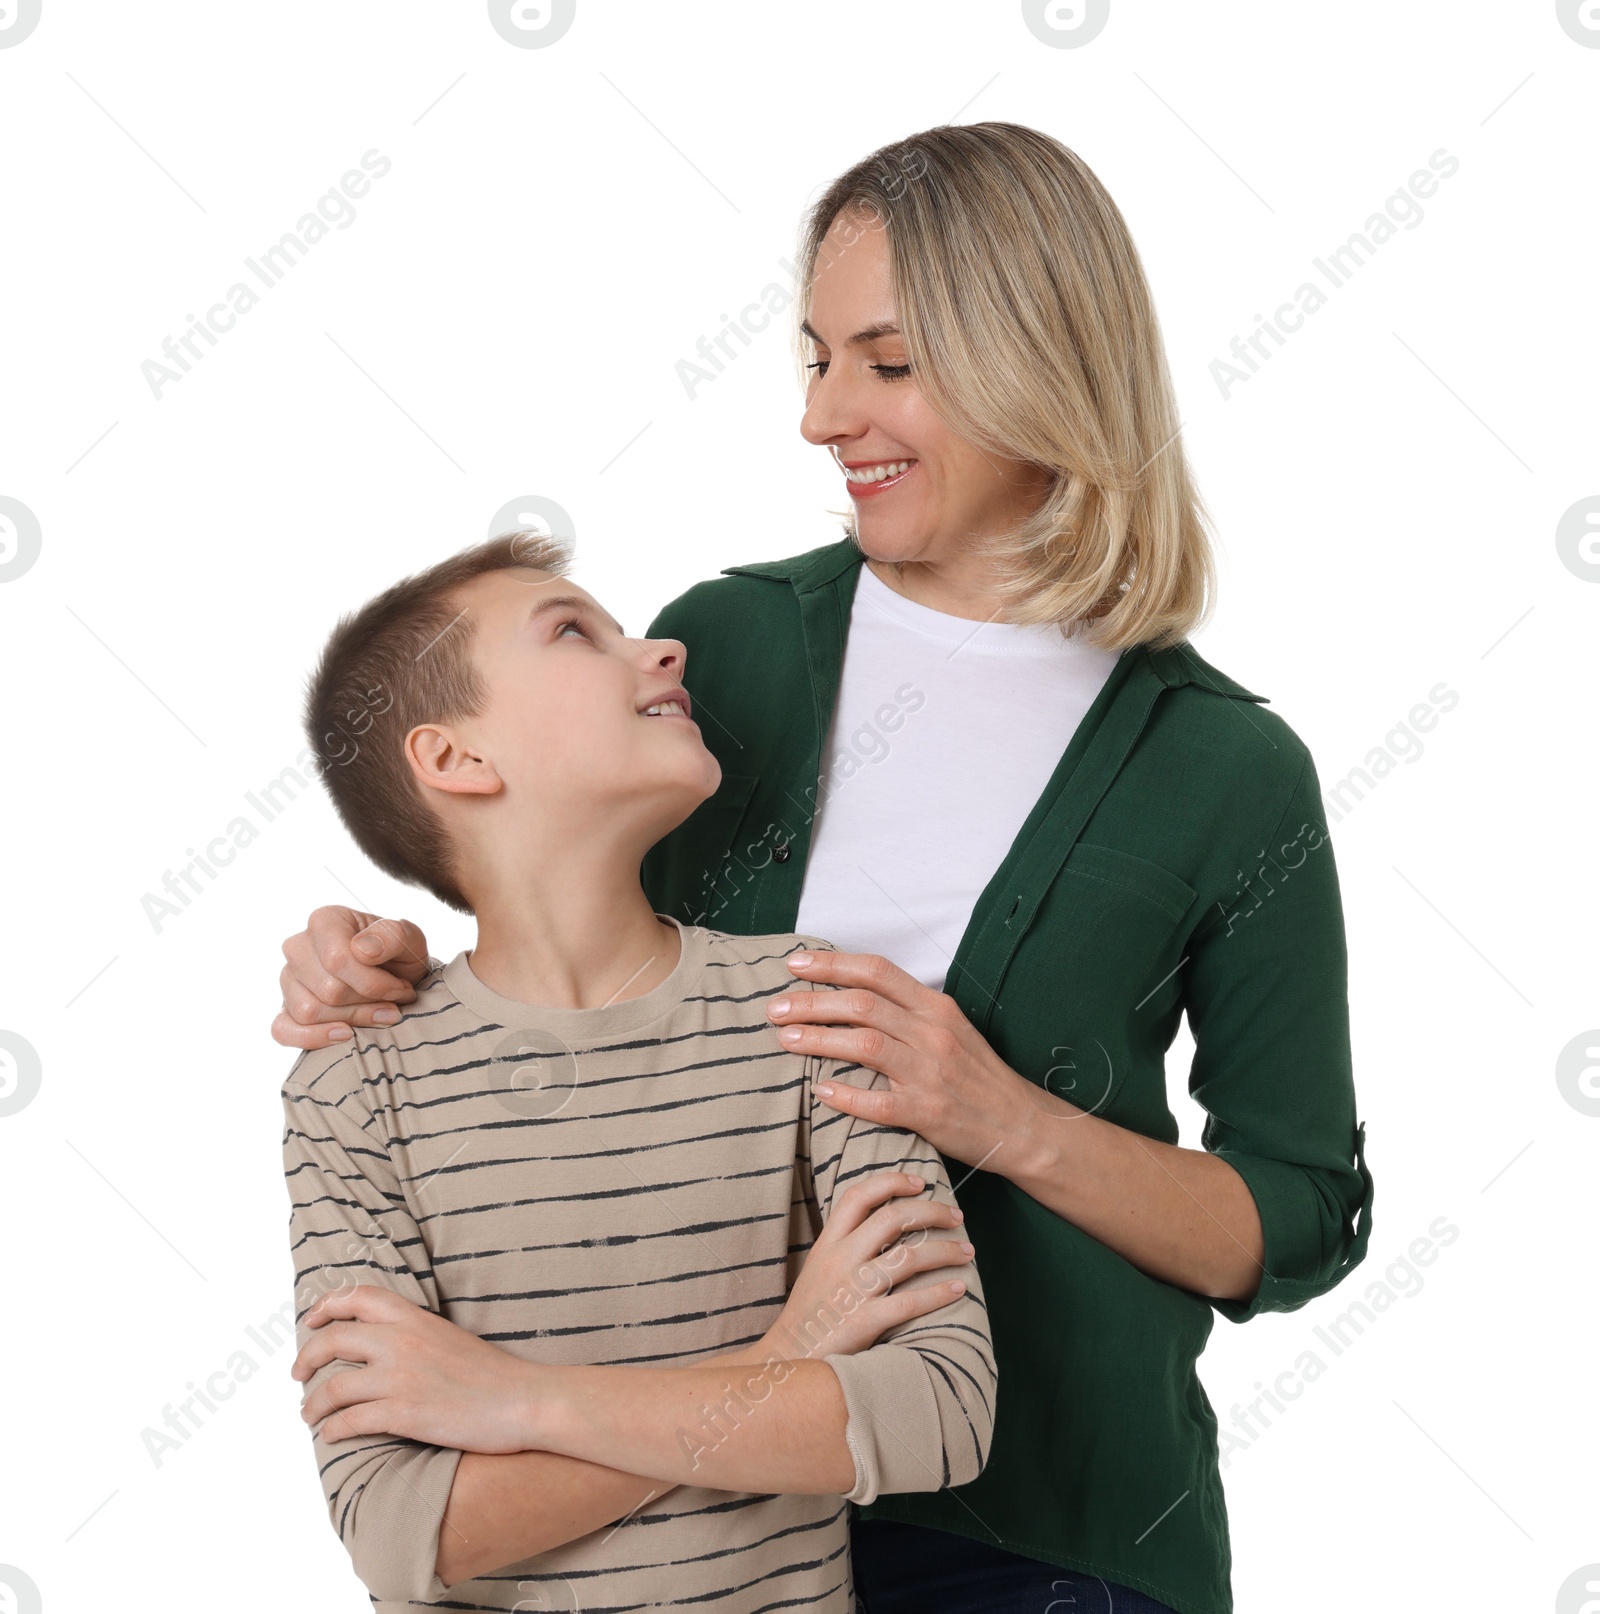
(868, 478)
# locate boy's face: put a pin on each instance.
(563, 725)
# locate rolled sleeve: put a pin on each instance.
(921, 1401)
(349, 1224)
(1266, 996)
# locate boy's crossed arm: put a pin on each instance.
(444, 1457)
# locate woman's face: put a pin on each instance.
(920, 491)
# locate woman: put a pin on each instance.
(970, 745)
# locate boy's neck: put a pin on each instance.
(573, 941)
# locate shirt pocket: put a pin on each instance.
(1135, 876)
(1093, 977)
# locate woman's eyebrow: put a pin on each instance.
(870, 334)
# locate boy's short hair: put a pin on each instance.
(405, 658)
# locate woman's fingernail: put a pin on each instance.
(958, 1214)
(338, 1033)
(367, 946)
(966, 1249)
(799, 960)
(779, 1006)
(789, 1034)
(385, 1017)
(826, 1089)
(958, 1286)
(913, 1179)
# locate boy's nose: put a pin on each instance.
(670, 654)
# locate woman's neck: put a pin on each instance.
(955, 591)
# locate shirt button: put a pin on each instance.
(780, 854)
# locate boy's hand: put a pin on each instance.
(422, 1378)
(345, 969)
(843, 1302)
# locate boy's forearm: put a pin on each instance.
(768, 1425)
(507, 1507)
(504, 1508)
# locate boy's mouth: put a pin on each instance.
(674, 704)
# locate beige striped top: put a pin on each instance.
(636, 1183)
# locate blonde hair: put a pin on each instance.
(1030, 330)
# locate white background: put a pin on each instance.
(503, 319)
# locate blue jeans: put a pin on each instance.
(910, 1569)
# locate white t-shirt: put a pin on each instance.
(944, 737)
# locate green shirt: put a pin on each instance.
(1177, 863)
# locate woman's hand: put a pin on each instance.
(422, 1377)
(346, 969)
(945, 1081)
(877, 1236)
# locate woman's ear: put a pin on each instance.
(440, 759)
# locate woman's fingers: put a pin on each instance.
(845, 1009)
(289, 1032)
(316, 964)
(346, 969)
(869, 971)
(396, 944)
(360, 958)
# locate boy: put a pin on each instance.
(588, 1280)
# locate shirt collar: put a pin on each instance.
(1175, 665)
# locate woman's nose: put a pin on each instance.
(831, 414)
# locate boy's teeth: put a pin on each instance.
(876, 473)
(673, 707)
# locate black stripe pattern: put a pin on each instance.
(651, 1205)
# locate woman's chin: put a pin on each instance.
(890, 540)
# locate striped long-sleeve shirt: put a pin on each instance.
(632, 1184)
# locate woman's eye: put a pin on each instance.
(893, 372)
(820, 366)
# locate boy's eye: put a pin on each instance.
(572, 622)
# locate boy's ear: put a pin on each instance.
(440, 760)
